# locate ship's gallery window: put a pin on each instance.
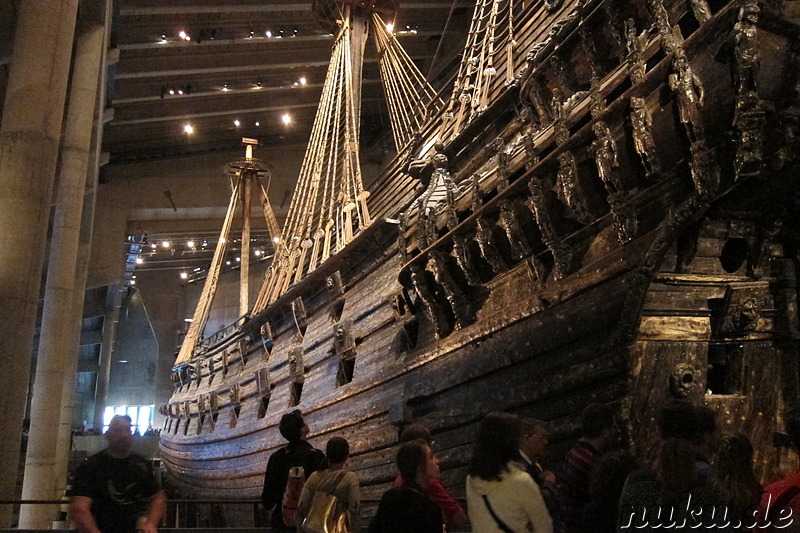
(141, 416)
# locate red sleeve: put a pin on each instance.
(446, 503)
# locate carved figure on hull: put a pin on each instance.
(485, 238)
(604, 151)
(432, 310)
(570, 190)
(643, 143)
(462, 310)
(635, 43)
(748, 58)
(509, 221)
(700, 10)
(562, 253)
(464, 260)
(688, 90)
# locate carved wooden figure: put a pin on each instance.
(700, 10)
(465, 261)
(562, 253)
(499, 147)
(671, 37)
(689, 93)
(569, 188)
(635, 44)
(509, 221)
(643, 143)
(604, 151)
(484, 236)
(459, 304)
(747, 57)
(429, 305)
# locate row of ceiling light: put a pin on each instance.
(286, 119)
(214, 33)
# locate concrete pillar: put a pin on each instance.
(64, 446)
(54, 361)
(110, 321)
(29, 138)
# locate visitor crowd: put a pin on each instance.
(693, 479)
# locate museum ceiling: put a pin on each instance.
(229, 69)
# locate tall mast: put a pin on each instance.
(245, 175)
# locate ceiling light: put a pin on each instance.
(227, 262)
(184, 275)
(390, 27)
(258, 84)
(225, 87)
(238, 259)
(153, 246)
(139, 260)
(276, 240)
(303, 80)
(172, 91)
(182, 34)
(123, 361)
(236, 123)
(268, 33)
(133, 282)
(188, 320)
(188, 129)
(287, 119)
(190, 244)
(258, 123)
(180, 91)
(165, 244)
(221, 239)
(251, 34)
(257, 253)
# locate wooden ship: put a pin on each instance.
(603, 210)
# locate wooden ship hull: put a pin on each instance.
(620, 226)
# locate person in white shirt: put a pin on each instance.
(501, 495)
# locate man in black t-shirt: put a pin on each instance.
(114, 491)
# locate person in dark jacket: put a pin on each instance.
(298, 452)
(407, 509)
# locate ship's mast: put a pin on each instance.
(245, 175)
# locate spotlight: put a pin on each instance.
(257, 123)
(190, 244)
(165, 244)
(236, 123)
(303, 80)
(187, 128)
(287, 119)
(184, 275)
(172, 91)
(268, 33)
(139, 260)
(390, 27)
(225, 87)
